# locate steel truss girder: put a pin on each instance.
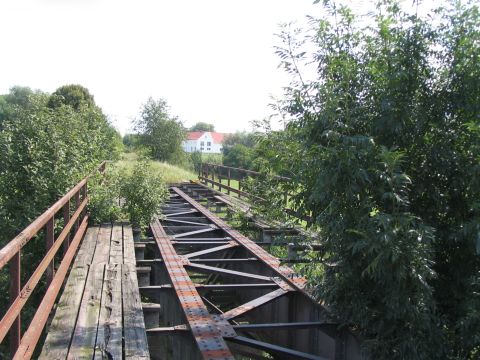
(211, 330)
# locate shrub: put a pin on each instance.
(143, 192)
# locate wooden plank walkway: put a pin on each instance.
(99, 315)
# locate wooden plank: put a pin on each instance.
(109, 335)
(102, 251)
(83, 342)
(136, 346)
(87, 249)
(128, 245)
(63, 324)
(116, 245)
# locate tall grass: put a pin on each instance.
(169, 173)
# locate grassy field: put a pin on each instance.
(170, 173)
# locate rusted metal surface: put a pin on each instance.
(19, 301)
(208, 337)
(231, 292)
(287, 273)
(15, 286)
(34, 331)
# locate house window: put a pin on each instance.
(202, 143)
(208, 148)
(209, 143)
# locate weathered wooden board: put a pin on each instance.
(136, 346)
(128, 245)
(99, 315)
(84, 337)
(116, 245)
(87, 248)
(102, 250)
(109, 335)
(61, 330)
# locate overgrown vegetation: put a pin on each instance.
(383, 149)
(160, 133)
(47, 144)
(237, 150)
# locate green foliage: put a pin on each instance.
(75, 96)
(384, 152)
(239, 156)
(161, 133)
(237, 150)
(196, 160)
(202, 126)
(104, 197)
(44, 152)
(131, 141)
(143, 192)
(132, 193)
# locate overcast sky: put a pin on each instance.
(212, 60)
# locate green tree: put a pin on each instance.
(237, 149)
(160, 132)
(202, 126)
(384, 153)
(72, 95)
(239, 156)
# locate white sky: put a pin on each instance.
(212, 60)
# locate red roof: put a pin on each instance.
(195, 135)
(217, 137)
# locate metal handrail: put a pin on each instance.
(206, 174)
(11, 254)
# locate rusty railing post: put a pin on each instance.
(228, 182)
(219, 179)
(15, 286)
(213, 177)
(66, 219)
(50, 239)
(77, 204)
(84, 196)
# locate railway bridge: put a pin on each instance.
(191, 287)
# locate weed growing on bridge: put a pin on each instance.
(134, 194)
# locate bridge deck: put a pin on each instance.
(99, 315)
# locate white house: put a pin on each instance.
(203, 141)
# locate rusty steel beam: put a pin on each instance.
(271, 261)
(291, 354)
(279, 317)
(207, 333)
(255, 303)
(194, 232)
(15, 286)
(230, 245)
(281, 326)
(226, 272)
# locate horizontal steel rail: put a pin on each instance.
(76, 223)
(211, 174)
